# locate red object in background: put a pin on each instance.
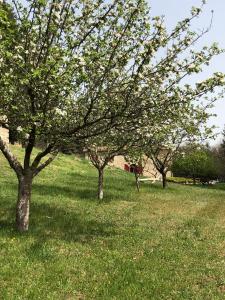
(126, 168)
(133, 169)
(139, 170)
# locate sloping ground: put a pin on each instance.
(153, 245)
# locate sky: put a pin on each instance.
(176, 10)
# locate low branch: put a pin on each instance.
(45, 164)
(40, 155)
(13, 162)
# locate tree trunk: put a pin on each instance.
(137, 181)
(164, 180)
(23, 202)
(194, 180)
(100, 183)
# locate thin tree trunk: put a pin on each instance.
(194, 180)
(100, 183)
(164, 180)
(23, 202)
(137, 181)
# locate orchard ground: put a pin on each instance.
(156, 244)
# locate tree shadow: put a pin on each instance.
(50, 225)
(86, 193)
(6, 225)
(48, 219)
(67, 224)
(55, 222)
(217, 186)
(85, 188)
(147, 186)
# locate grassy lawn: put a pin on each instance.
(154, 244)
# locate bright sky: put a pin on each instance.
(175, 10)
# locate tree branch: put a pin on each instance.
(13, 162)
(40, 155)
(45, 164)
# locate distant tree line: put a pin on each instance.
(202, 163)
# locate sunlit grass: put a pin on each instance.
(156, 244)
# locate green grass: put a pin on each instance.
(180, 180)
(156, 244)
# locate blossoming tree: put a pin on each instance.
(78, 69)
(168, 111)
(53, 78)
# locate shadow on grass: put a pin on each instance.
(54, 218)
(81, 189)
(175, 186)
(55, 222)
(218, 186)
(157, 187)
(68, 224)
(6, 225)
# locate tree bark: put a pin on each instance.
(137, 181)
(164, 180)
(23, 202)
(100, 183)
